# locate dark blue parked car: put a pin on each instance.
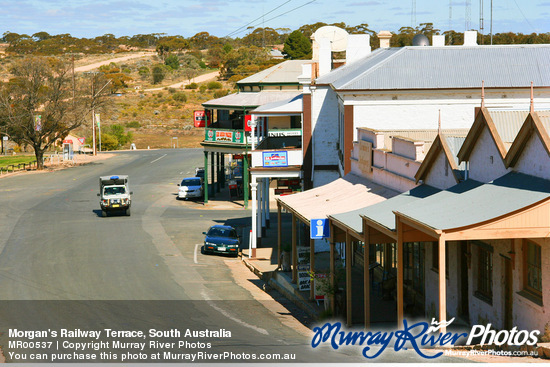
(222, 240)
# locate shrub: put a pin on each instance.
(180, 97)
(221, 93)
(133, 125)
(192, 86)
(214, 85)
(202, 88)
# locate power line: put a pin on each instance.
(291, 10)
(260, 17)
(524, 17)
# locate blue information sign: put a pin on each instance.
(319, 228)
(275, 159)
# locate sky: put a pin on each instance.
(91, 18)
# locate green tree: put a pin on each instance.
(297, 46)
(159, 73)
(39, 105)
(173, 62)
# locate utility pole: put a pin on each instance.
(94, 95)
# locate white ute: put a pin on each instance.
(115, 195)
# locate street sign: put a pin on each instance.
(319, 229)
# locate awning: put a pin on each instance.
(511, 206)
(291, 106)
(342, 195)
(382, 213)
(250, 100)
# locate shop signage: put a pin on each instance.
(319, 229)
(304, 279)
(280, 133)
(247, 120)
(275, 159)
(200, 117)
(224, 136)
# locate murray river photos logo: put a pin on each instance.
(418, 336)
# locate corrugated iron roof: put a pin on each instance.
(288, 106)
(251, 99)
(449, 67)
(283, 73)
(471, 202)
(455, 143)
(344, 194)
(382, 213)
(545, 119)
(508, 124)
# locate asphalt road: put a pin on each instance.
(63, 266)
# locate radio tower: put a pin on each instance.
(468, 15)
(481, 19)
(450, 21)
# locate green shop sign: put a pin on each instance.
(224, 136)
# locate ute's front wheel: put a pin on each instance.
(103, 213)
(128, 213)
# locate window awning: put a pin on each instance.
(342, 195)
(513, 206)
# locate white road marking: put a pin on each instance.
(226, 314)
(159, 158)
(195, 255)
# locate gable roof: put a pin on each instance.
(449, 67)
(441, 144)
(536, 122)
(484, 119)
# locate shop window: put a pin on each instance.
(484, 272)
(532, 269)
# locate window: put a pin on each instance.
(485, 272)
(532, 268)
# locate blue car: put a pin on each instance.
(222, 240)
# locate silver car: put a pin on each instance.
(190, 187)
